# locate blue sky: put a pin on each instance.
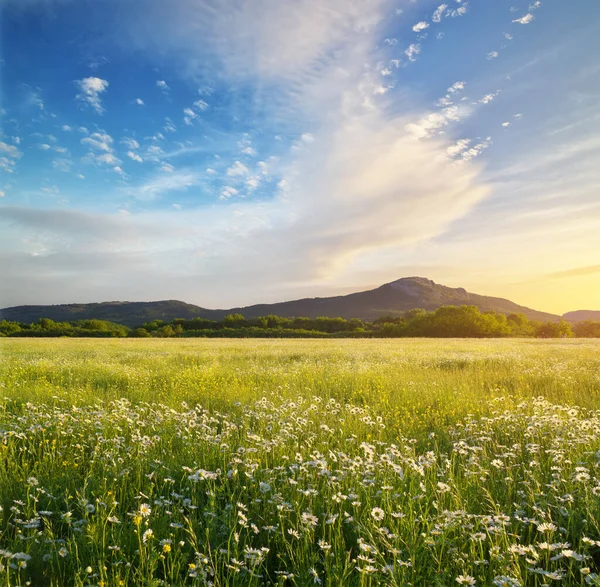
(236, 151)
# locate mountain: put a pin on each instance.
(128, 313)
(581, 315)
(396, 297)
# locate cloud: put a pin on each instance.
(459, 11)
(457, 148)
(90, 89)
(9, 154)
(162, 85)
(575, 272)
(139, 101)
(163, 184)
(227, 192)
(134, 156)
(106, 159)
(535, 5)
(439, 13)
(420, 26)
(238, 169)
(10, 150)
(201, 105)
(2, 194)
(100, 141)
(473, 152)
(44, 147)
(525, 19)
(492, 55)
(169, 126)
(456, 87)
(412, 51)
(488, 98)
(189, 117)
(506, 124)
(62, 164)
(67, 128)
(130, 143)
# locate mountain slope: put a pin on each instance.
(396, 297)
(127, 313)
(392, 298)
(581, 315)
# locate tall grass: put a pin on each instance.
(336, 462)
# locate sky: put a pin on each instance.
(231, 152)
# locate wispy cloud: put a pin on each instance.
(525, 19)
(90, 89)
(412, 51)
(439, 13)
(164, 183)
(575, 272)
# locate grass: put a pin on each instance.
(299, 462)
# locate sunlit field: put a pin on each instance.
(299, 462)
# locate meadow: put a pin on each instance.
(299, 462)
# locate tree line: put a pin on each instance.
(444, 322)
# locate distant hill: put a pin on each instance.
(396, 297)
(127, 313)
(581, 315)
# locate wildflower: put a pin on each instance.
(315, 575)
(63, 552)
(378, 514)
(465, 580)
(147, 535)
(309, 519)
(145, 510)
(546, 527)
(504, 581)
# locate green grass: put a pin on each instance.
(340, 462)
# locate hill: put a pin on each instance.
(127, 313)
(396, 297)
(393, 298)
(581, 315)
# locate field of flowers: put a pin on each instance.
(335, 462)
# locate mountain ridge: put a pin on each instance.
(581, 315)
(395, 297)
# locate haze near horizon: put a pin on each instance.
(234, 152)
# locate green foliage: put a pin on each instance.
(444, 322)
(560, 329)
(139, 333)
(587, 329)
